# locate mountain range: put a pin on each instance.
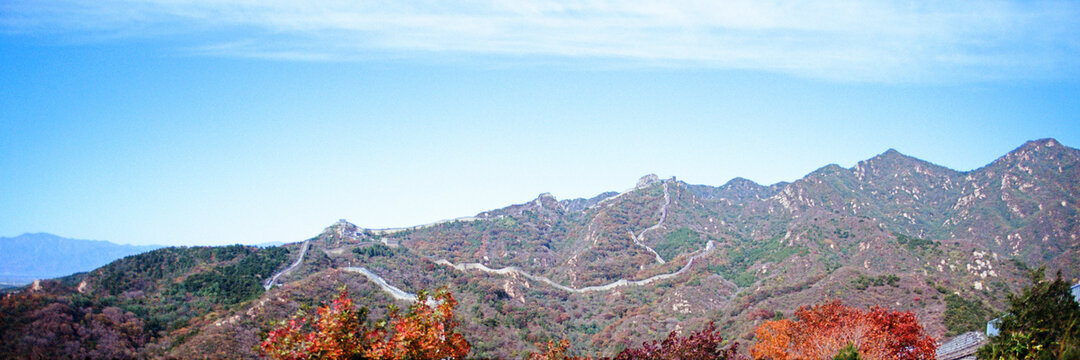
(610, 271)
(28, 257)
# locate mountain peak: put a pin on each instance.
(342, 230)
(1048, 151)
(740, 181)
(892, 157)
(827, 171)
(547, 202)
(891, 154)
(742, 189)
(1035, 146)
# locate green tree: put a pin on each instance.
(848, 353)
(963, 315)
(1042, 323)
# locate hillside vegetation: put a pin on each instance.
(891, 231)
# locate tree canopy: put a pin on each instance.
(1043, 322)
(823, 332)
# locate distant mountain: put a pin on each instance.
(611, 271)
(43, 256)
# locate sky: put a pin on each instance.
(196, 122)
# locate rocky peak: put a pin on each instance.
(741, 189)
(741, 183)
(1042, 148)
(546, 201)
(892, 163)
(1029, 149)
(1048, 153)
(827, 170)
(889, 157)
(1036, 145)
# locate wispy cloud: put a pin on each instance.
(890, 41)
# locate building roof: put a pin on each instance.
(962, 346)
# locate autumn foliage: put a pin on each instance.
(426, 332)
(702, 345)
(337, 331)
(823, 330)
(554, 351)
(41, 326)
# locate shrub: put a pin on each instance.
(863, 282)
(962, 315)
(374, 250)
(849, 352)
(914, 243)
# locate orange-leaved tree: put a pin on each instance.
(426, 332)
(823, 330)
(338, 332)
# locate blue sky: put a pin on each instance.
(220, 122)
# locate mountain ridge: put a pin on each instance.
(41, 255)
(890, 231)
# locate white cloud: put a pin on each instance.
(892, 41)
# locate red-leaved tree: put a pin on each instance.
(706, 344)
(337, 331)
(701, 345)
(823, 330)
